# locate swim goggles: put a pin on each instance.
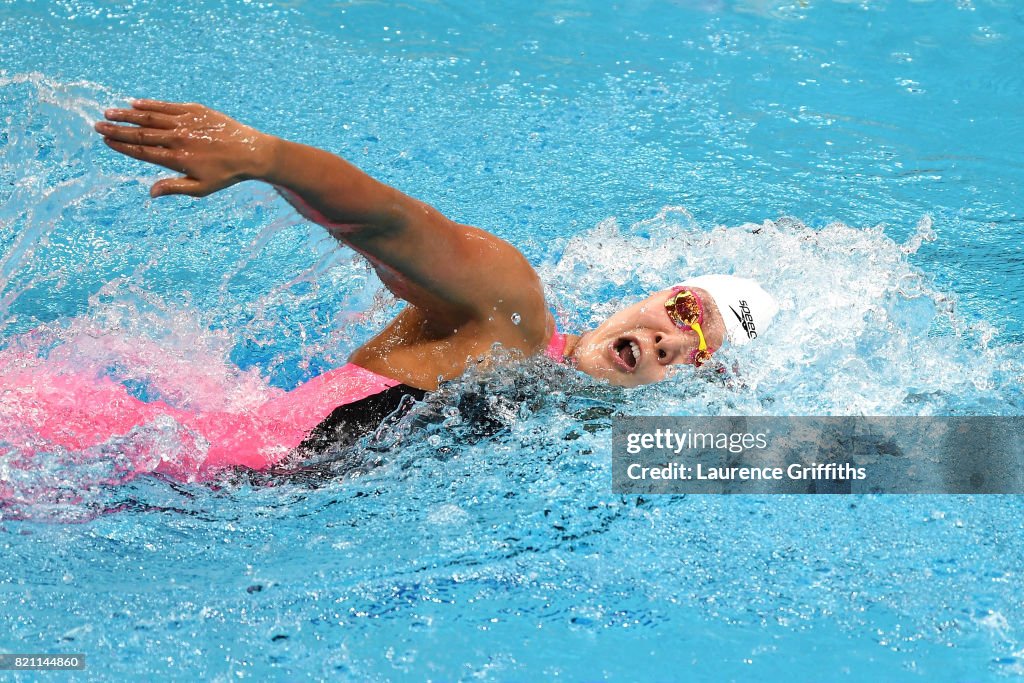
(686, 310)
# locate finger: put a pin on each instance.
(149, 119)
(182, 185)
(161, 106)
(154, 155)
(137, 136)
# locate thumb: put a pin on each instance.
(179, 185)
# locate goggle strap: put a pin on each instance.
(703, 346)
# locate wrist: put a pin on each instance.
(265, 159)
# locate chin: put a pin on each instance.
(631, 382)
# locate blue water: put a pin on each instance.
(862, 159)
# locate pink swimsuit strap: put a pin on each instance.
(556, 347)
(346, 384)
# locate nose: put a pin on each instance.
(669, 348)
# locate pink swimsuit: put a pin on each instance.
(556, 347)
(73, 410)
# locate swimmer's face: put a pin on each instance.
(637, 345)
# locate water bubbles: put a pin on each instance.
(452, 416)
(910, 85)
(447, 515)
(986, 34)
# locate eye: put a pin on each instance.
(661, 353)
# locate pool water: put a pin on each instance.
(862, 159)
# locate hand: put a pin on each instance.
(212, 150)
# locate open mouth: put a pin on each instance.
(626, 352)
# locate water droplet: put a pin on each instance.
(516, 318)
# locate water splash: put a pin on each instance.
(42, 163)
(861, 329)
(120, 351)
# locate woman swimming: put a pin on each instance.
(466, 289)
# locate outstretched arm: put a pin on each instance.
(456, 273)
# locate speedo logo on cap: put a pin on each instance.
(746, 320)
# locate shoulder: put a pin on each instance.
(508, 288)
(516, 314)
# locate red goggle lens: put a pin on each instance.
(683, 309)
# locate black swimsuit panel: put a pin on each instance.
(350, 421)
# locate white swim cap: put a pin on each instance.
(745, 307)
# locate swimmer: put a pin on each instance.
(466, 289)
